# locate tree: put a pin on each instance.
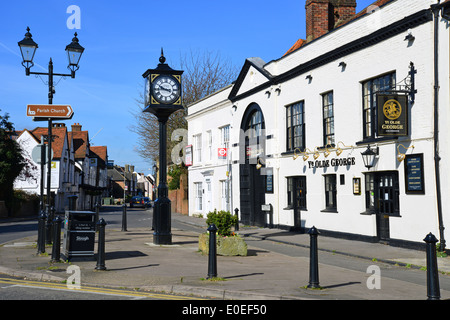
(11, 160)
(203, 74)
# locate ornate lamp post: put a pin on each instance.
(162, 98)
(28, 49)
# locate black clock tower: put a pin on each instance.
(163, 96)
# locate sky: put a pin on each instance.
(122, 39)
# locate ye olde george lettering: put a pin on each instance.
(332, 163)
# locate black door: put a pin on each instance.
(252, 195)
(385, 200)
(299, 201)
(252, 181)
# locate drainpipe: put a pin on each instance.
(436, 8)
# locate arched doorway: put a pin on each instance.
(252, 157)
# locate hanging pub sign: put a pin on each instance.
(392, 115)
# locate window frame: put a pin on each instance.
(328, 121)
(369, 89)
(330, 193)
(291, 133)
(198, 187)
(197, 148)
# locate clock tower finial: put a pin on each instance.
(162, 59)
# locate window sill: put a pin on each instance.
(292, 208)
(333, 210)
(374, 140)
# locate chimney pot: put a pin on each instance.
(323, 16)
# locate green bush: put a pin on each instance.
(223, 220)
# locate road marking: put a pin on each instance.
(94, 290)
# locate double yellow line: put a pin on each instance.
(96, 290)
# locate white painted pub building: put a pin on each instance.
(348, 131)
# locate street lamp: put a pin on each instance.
(162, 98)
(74, 51)
(369, 156)
(28, 49)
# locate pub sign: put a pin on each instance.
(392, 115)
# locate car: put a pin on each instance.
(137, 202)
(147, 202)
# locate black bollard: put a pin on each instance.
(313, 259)
(49, 226)
(236, 212)
(101, 245)
(56, 249)
(433, 290)
(124, 217)
(212, 257)
(41, 232)
(97, 212)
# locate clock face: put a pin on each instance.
(166, 89)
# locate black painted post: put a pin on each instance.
(49, 225)
(212, 257)
(97, 212)
(41, 232)
(433, 290)
(101, 245)
(56, 249)
(124, 217)
(236, 212)
(313, 259)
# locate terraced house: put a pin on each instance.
(77, 169)
(347, 131)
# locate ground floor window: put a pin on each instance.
(330, 192)
(296, 192)
(198, 196)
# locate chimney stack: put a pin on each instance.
(76, 127)
(323, 16)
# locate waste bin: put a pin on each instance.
(79, 234)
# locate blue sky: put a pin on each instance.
(122, 39)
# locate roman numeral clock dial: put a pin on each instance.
(166, 89)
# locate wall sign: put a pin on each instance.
(414, 178)
(392, 115)
(357, 186)
(222, 153)
(335, 162)
(269, 180)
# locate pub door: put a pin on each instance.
(385, 200)
(299, 188)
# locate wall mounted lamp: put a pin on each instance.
(316, 153)
(340, 150)
(401, 156)
(369, 156)
(258, 165)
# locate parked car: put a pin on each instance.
(148, 202)
(137, 202)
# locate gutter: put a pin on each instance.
(436, 9)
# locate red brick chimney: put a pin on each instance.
(323, 16)
(76, 127)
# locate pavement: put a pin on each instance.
(134, 262)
